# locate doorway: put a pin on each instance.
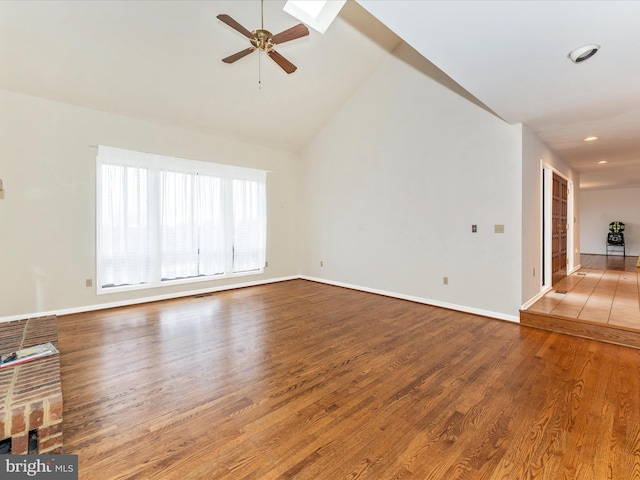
(559, 228)
(558, 220)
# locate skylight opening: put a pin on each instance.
(310, 7)
(317, 14)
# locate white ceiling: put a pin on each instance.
(160, 60)
(513, 56)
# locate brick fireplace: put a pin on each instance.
(30, 393)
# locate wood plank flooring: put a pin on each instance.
(609, 262)
(299, 380)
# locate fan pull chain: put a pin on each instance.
(260, 51)
(259, 70)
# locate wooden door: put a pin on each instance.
(559, 228)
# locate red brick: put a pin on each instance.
(47, 431)
(36, 416)
(55, 409)
(18, 424)
(20, 444)
(47, 444)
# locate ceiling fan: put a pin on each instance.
(264, 40)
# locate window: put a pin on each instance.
(163, 219)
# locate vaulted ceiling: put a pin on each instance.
(513, 56)
(160, 60)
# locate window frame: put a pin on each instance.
(156, 164)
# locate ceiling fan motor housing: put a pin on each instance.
(262, 40)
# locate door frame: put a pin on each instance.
(546, 193)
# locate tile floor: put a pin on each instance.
(598, 295)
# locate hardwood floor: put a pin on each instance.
(299, 380)
(609, 262)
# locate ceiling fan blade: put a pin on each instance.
(285, 64)
(292, 33)
(223, 17)
(238, 56)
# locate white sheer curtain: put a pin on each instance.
(179, 226)
(213, 230)
(163, 218)
(249, 225)
(193, 230)
(124, 242)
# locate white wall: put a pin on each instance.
(47, 212)
(393, 184)
(598, 208)
(386, 199)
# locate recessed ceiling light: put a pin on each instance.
(583, 53)
(602, 162)
(590, 139)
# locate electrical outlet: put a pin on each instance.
(88, 282)
(498, 228)
(321, 263)
(445, 280)
(474, 228)
(266, 264)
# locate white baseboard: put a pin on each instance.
(535, 298)
(136, 301)
(169, 296)
(425, 301)
(544, 291)
(574, 269)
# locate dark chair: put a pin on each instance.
(615, 238)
